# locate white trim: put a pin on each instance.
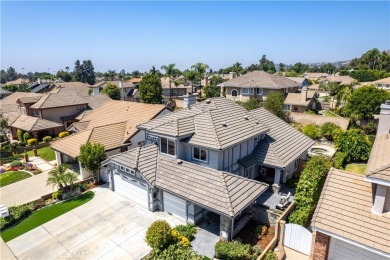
(200, 151)
(377, 181)
(368, 248)
(174, 144)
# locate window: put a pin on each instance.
(199, 154)
(35, 112)
(122, 168)
(80, 107)
(286, 107)
(234, 93)
(296, 164)
(259, 91)
(247, 91)
(295, 108)
(167, 146)
(127, 170)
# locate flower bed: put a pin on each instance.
(256, 235)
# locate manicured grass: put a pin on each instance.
(329, 113)
(44, 215)
(46, 153)
(356, 167)
(13, 176)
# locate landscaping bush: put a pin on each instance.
(271, 255)
(234, 250)
(176, 252)
(338, 160)
(354, 144)
(15, 163)
(330, 130)
(179, 239)
(187, 231)
(32, 141)
(26, 137)
(309, 189)
(57, 195)
(370, 128)
(16, 213)
(159, 235)
(19, 133)
(312, 131)
(292, 183)
(22, 144)
(46, 139)
(63, 134)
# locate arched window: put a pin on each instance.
(234, 93)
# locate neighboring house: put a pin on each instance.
(126, 89)
(4, 93)
(341, 80)
(257, 85)
(383, 83)
(315, 75)
(37, 127)
(113, 125)
(301, 102)
(17, 82)
(352, 218)
(204, 158)
(134, 81)
(300, 80)
(41, 88)
(177, 92)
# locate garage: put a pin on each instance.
(175, 206)
(343, 250)
(131, 189)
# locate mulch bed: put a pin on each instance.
(248, 235)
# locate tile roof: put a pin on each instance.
(29, 99)
(134, 80)
(316, 75)
(18, 81)
(60, 98)
(342, 80)
(261, 79)
(114, 82)
(378, 165)
(282, 144)
(30, 123)
(96, 101)
(295, 98)
(216, 123)
(9, 107)
(165, 84)
(383, 81)
(344, 209)
(4, 91)
(79, 87)
(220, 191)
(299, 80)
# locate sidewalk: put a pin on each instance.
(5, 252)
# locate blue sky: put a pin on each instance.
(138, 35)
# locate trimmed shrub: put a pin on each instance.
(26, 136)
(57, 195)
(234, 250)
(309, 189)
(271, 255)
(338, 160)
(176, 252)
(46, 139)
(15, 163)
(187, 231)
(63, 134)
(16, 213)
(32, 141)
(19, 133)
(330, 130)
(159, 235)
(312, 131)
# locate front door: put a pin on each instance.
(271, 173)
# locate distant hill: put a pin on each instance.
(388, 51)
(337, 64)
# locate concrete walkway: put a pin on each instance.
(5, 252)
(40, 163)
(207, 237)
(294, 255)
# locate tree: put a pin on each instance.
(4, 127)
(112, 91)
(12, 88)
(299, 68)
(150, 89)
(211, 91)
(136, 74)
(78, 72)
(11, 74)
(56, 177)
(330, 130)
(200, 69)
(3, 77)
(328, 68)
(191, 76)
(67, 69)
(267, 65)
(64, 75)
(354, 144)
(274, 104)
(110, 75)
(249, 104)
(282, 67)
(91, 156)
(371, 59)
(365, 102)
(169, 72)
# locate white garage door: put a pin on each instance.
(131, 189)
(340, 250)
(175, 206)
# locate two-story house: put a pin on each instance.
(352, 218)
(256, 85)
(126, 89)
(204, 158)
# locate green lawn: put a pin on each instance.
(356, 167)
(328, 113)
(44, 215)
(11, 177)
(46, 153)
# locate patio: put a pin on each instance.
(271, 199)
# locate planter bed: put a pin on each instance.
(248, 235)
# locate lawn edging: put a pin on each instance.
(45, 214)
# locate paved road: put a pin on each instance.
(107, 227)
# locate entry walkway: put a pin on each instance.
(294, 255)
(207, 236)
(40, 163)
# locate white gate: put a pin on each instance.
(298, 238)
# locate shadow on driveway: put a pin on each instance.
(207, 236)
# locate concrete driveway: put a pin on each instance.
(107, 227)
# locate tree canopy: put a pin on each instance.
(150, 89)
(354, 144)
(84, 72)
(91, 156)
(112, 91)
(274, 104)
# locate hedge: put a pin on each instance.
(309, 189)
(330, 130)
(365, 75)
(312, 131)
(26, 136)
(339, 160)
(19, 133)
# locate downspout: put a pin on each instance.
(232, 229)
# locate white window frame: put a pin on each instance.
(296, 164)
(258, 92)
(200, 152)
(174, 146)
(122, 168)
(235, 91)
(286, 107)
(246, 91)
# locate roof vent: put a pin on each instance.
(246, 117)
(224, 124)
(178, 161)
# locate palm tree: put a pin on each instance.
(191, 76)
(57, 176)
(200, 69)
(67, 69)
(170, 70)
(70, 177)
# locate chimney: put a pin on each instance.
(189, 100)
(122, 90)
(232, 74)
(385, 108)
(304, 94)
(39, 81)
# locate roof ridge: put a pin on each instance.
(227, 195)
(374, 171)
(272, 148)
(214, 130)
(137, 156)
